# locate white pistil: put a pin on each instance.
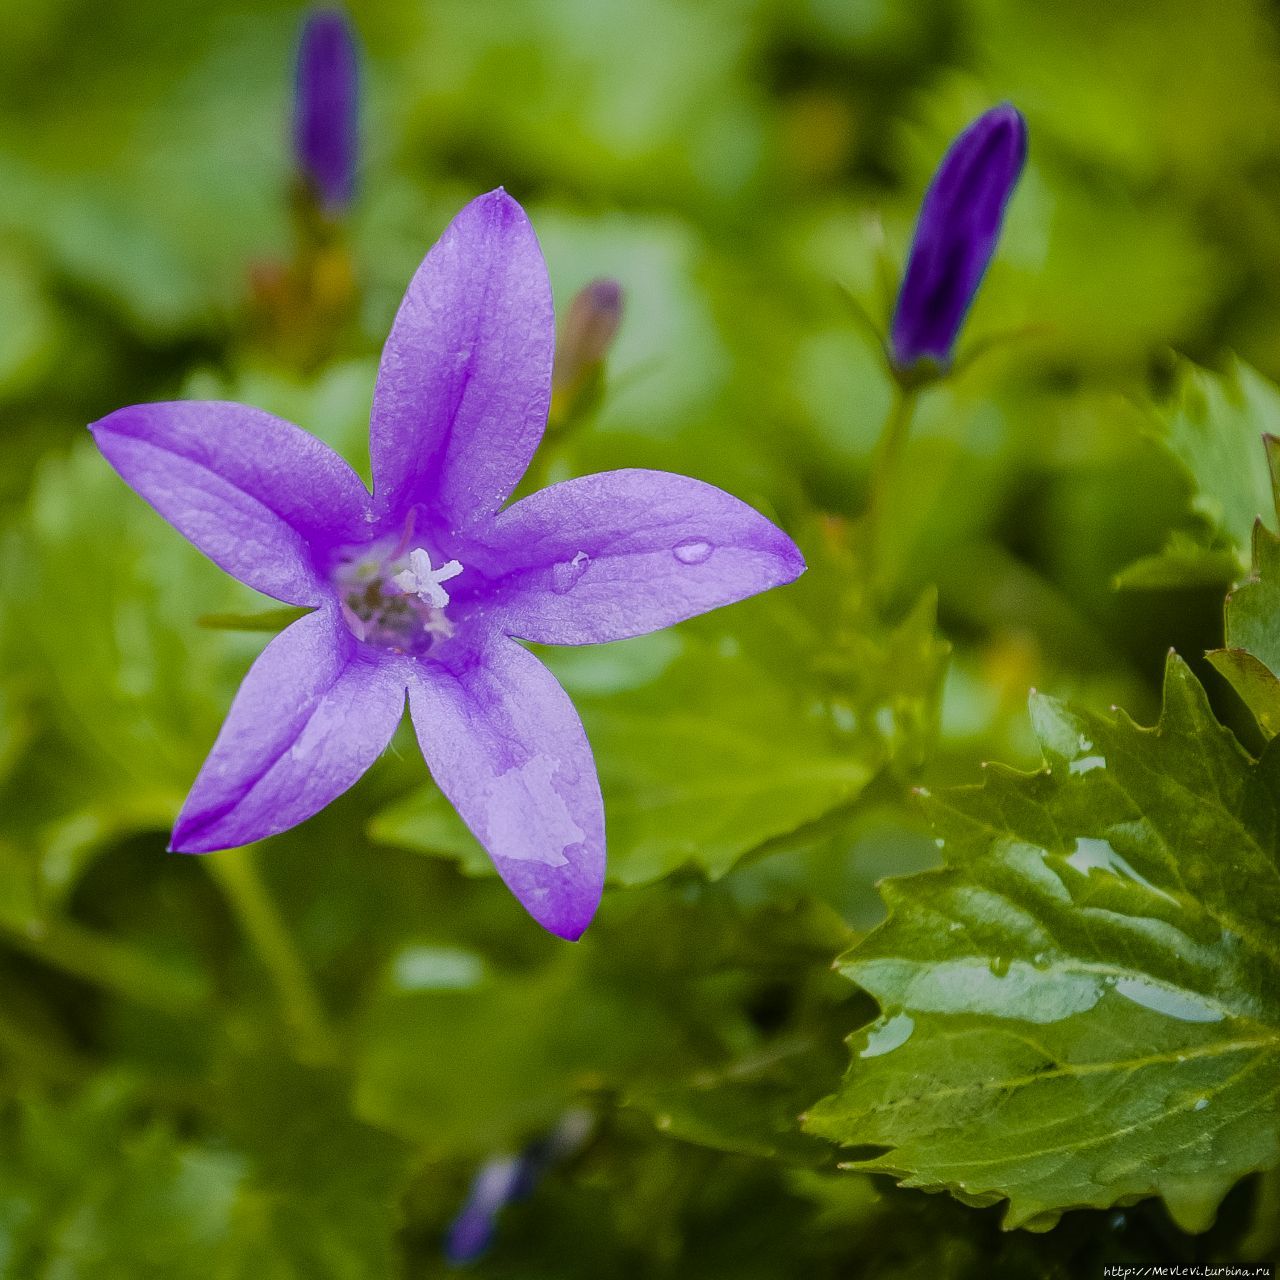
(421, 580)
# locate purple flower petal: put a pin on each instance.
(255, 493)
(956, 235)
(326, 107)
(314, 712)
(505, 745)
(465, 382)
(623, 553)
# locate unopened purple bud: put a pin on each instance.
(326, 107)
(587, 332)
(956, 236)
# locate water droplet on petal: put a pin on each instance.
(999, 965)
(692, 550)
(564, 576)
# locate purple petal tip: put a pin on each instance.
(569, 917)
(502, 204)
(186, 838)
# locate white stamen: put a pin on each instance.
(421, 580)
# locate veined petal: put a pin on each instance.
(465, 381)
(505, 745)
(623, 553)
(314, 712)
(255, 493)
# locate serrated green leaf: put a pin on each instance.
(1255, 682)
(1251, 658)
(1215, 426)
(1181, 562)
(1083, 1006)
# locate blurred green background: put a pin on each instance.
(289, 1061)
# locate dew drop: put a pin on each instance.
(999, 966)
(888, 1034)
(1200, 1104)
(1185, 1006)
(564, 576)
(692, 551)
(1087, 764)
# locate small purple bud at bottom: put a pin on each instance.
(498, 1182)
(505, 1179)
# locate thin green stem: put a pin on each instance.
(237, 874)
(108, 962)
(888, 457)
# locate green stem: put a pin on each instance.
(236, 872)
(99, 958)
(888, 456)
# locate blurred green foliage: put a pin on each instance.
(288, 1061)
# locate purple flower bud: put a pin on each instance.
(589, 328)
(326, 107)
(956, 235)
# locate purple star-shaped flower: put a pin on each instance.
(956, 236)
(423, 587)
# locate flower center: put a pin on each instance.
(396, 600)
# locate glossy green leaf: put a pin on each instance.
(1083, 1006)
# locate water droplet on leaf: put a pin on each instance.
(1185, 1006)
(888, 1035)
